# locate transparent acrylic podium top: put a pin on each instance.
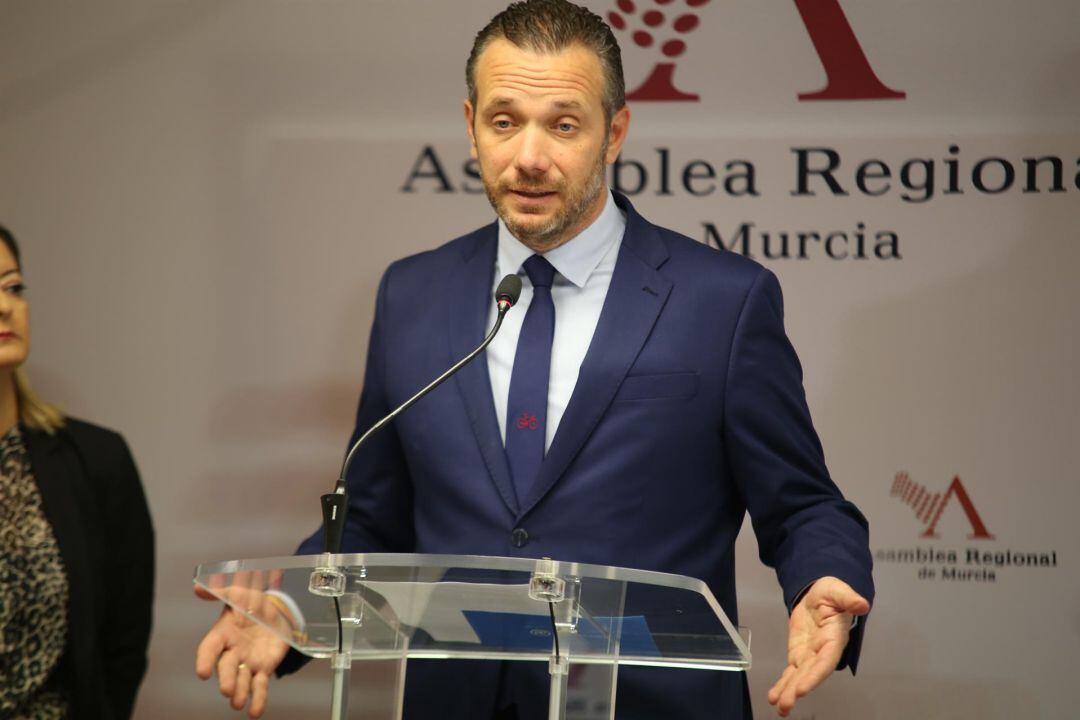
(450, 606)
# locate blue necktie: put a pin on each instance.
(526, 411)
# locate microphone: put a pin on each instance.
(506, 295)
(334, 505)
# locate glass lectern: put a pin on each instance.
(584, 621)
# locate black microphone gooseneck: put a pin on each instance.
(334, 505)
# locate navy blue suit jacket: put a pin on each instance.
(688, 412)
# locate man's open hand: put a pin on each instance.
(243, 652)
(817, 635)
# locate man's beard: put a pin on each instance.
(577, 203)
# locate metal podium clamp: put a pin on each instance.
(327, 582)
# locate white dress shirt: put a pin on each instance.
(584, 266)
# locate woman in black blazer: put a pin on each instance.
(76, 546)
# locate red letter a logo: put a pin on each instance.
(979, 531)
(850, 76)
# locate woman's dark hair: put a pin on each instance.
(9, 241)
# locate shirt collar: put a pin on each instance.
(575, 259)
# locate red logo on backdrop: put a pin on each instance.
(527, 421)
(929, 506)
(663, 25)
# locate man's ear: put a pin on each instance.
(620, 126)
(469, 118)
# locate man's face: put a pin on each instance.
(539, 133)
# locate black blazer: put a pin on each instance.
(95, 503)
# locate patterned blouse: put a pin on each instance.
(33, 593)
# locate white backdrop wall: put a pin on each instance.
(208, 192)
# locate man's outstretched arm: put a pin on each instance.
(815, 539)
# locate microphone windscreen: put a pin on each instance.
(509, 290)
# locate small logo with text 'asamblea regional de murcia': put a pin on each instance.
(929, 506)
(663, 25)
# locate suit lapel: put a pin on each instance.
(634, 300)
(470, 289)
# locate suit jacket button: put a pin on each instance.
(519, 538)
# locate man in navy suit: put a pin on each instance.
(639, 401)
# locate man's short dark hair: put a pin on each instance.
(551, 26)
